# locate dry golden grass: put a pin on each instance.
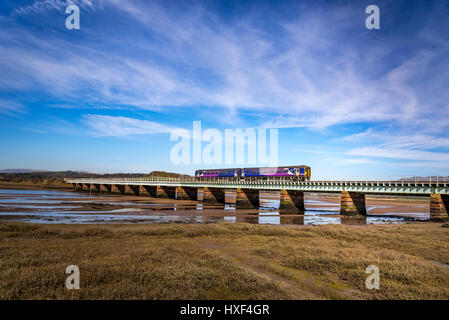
(224, 261)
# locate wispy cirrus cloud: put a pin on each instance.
(306, 64)
(298, 76)
(11, 108)
(117, 126)
(392, 138)
(399, 144)
(399, 153)
(40, 7)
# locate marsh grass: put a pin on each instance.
(224, 261)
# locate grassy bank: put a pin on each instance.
(224, 261)
(36, 185)
(55, 179)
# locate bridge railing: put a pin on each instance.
(388, 179)
(430, 180)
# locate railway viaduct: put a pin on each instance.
(246, 193)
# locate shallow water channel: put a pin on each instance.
(47, 206)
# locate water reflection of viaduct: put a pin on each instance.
(246, 194)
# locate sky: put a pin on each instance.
(346, 100)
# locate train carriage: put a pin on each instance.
(213, 174)
(294, 173)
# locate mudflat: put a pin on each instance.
(94, 202)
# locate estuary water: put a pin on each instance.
(47, 206)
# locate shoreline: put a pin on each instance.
(33, 186)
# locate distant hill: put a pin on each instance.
(167, 174)
(46, 177)
(19, 170)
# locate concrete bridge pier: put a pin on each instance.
(118, 188)
(149, 191)
(353, 220)
(230, 196)
(199, 194)
(94, 187)
(439, 207)
(133, 189)
(165, 192)
(213, 195)
(186, 193)
(85, 187)
(106, 188)
(352, 203)
(247, 198)
(292, 201)
(128, 190)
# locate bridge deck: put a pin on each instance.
(412, 186)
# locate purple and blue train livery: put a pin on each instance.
(300, 173)
(286, 172)
(218, 173)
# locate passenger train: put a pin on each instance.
(294, 173)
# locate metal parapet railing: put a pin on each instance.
(390, 181)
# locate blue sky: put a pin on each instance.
(347, 101)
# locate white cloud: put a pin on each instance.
(101, 126)
(11, 108)
(358, 161)
(40, 7)
(300, 76)
(400, 144)
(398, 153)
